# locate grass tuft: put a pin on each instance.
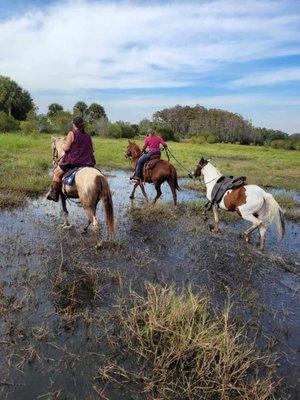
(188, 351)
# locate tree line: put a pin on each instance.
(197, 124)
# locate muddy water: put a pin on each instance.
(46, 354)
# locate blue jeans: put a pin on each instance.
(142, 160)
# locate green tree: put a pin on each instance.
(80, 109)
(126, 129)
(62, 122)
(54, 109)
(96, 111)
(14, 100)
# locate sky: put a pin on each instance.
(136, 57)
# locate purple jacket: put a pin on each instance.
(81, 151)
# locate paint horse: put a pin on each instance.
(251, 202)
(155, 171)
(90, 187)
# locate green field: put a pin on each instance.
(25, 161)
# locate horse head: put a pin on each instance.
(57, 150)
(132, 151)
(202, 163)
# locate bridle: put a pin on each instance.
(55, 158)
(199, 166)
(54, 154)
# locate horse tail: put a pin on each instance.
(105, 194)
(274, 212)
(174, 179)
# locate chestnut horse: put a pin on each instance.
(90, 187)
(162, 171)
(251, 202)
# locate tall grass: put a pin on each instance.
(187, 351)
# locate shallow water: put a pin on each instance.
(31, 250)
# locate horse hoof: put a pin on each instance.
(98, 245)
(65, 226)
(84, 232)
(131, 197)
(247, 239)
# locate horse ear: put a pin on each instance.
(129, 141)
(201, 160)
(53, 139)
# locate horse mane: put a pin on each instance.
(134, 146)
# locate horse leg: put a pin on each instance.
(262, 233)
(216, 216)
(158, 191)
(64, 210)
(85, 229)
(133, 190)
(255, 224)
(91, 211)
(173, 189)
(143, 190)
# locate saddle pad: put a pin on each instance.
(152, 163)
(69, 178)
(225, 183)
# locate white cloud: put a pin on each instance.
(269, 78)
(84, 44)
(74, 46)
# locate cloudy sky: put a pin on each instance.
(135, 57)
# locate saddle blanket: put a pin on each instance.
(225, 183)
(69, 178)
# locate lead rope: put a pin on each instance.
(168, 151)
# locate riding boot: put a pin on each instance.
(54, 192)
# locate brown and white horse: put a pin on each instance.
(250, 201)
(161, 172)
(90, 187)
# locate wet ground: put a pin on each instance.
(58, 294)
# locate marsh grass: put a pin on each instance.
(10, 199)
(75, 291)
(188, 351)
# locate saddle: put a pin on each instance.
(149, 165)
(69, 177)
(152, 162)
(223, 184)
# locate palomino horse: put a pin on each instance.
(161, 172)
(250, 201)
(90, 187)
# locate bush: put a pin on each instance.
(114, 131)
(198, 139)
(27, 127)
(127, 129)
(8, 123)
(211, 138)
(278, 144)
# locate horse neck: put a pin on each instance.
(210, 174)
(137, 155)
(59, 148)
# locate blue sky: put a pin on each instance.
(135, 57)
